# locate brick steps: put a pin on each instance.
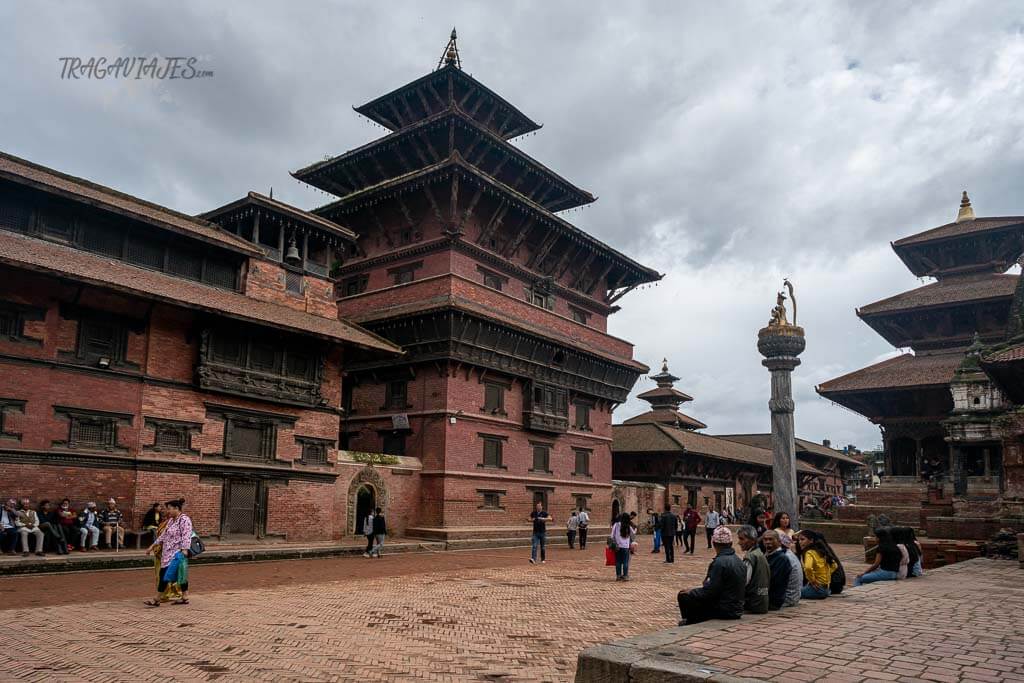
(452, 534)
(905, 516)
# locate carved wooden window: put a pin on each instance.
(103, 239)
(491, 279)
(221, 274)
(57, 225)
(10, 323)
(293, 282)
(494, 398)
(15, 213)
(492, 452)
(91, 429)
(354, 285)
(9, 405)
(550, 400)
(101, 339)
(582, 416)
(541, 458)
(250, 438)
(260, 365)
(314, 451)
(396, 394)
(172, 438)
(404, 273)
(264, 357)
(582, 457)
(394, 443)
(491, 500)
(185, 263)
(144, 253)
(579, 316)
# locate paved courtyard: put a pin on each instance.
(485, 615)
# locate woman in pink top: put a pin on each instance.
(174, 542)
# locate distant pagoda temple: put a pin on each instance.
(938, 407)
(665, 400)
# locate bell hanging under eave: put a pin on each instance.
(292, 255)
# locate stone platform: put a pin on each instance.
(940, 627)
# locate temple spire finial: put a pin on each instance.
(664, 364)
(451, 53)
(966, 213)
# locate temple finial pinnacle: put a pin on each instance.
(966, 213)
(450, 56)
(664, 364)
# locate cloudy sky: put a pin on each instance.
(731, 143)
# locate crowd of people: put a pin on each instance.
(774, 566)
(59, 528)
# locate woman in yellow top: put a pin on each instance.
(819, 563)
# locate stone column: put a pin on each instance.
(780, 345)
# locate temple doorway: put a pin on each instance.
(366, 501)
(904, 457)
(615, 510)
(242, 508)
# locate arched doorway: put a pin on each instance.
(366, 501)
(366, 491)
(615, 509)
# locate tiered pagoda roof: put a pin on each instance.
(449, 149)
(971, 296)
(665, 400)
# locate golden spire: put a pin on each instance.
(966, 213)
(450, 56)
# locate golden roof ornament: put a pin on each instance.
(778, 318)
(450, 55)
(966, 213)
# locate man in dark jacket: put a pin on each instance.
(721, 596)
(380, 529)
(755, 599)
(668, 522)
(691, 518)
(779, 569)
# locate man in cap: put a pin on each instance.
(111, 519)
(721, 595)
(795, 582)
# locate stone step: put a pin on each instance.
(891, 496)
(450, 534)
(898, 515)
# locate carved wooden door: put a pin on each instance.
(241, 509)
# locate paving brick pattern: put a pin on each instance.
(510, 623)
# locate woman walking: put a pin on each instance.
(174, 544)
(620, 539)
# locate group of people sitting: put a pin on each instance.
(59, 528)
(780, 567)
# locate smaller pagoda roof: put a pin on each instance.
(279, 208)
(1005, 365)
(657, 438)
(947, 292)
(432, 90)
(665, 392)
(902, 372)
(667, 417)
(86, 192)
(1010, 354)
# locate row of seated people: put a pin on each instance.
(61, 529)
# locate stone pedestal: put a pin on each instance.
(780, 345)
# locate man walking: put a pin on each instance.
(691, 518)
(368, 532)
(584, 522)
(540, 518)
(380, 530)
(656, 529)
(711, 522)
(571, 526)
(669, 521)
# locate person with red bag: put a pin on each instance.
(622, 538)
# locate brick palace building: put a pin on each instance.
(434, 341)
(662, 446)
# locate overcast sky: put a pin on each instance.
(731, 144)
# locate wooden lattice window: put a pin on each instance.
(185, 263)
(396, 395)
(354, 285)
(583, 416)
(57, 225)
(101, 339)
(172, 435)
(293, 282)
(15, 213)
(314, 451)
(491, 500)
(91, 429)
(492, 452)
(494, 398)
(579, 316)
(144, 253)
(582, 458)
(10, 323)
(251, 439)
(541, 458)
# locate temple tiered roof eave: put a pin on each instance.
(665, 393)
(414, 180)
(906, 371)
(327, 175)
(987, 244)
(667, 417)
(945, 293)
(287, 211)
(392, 109)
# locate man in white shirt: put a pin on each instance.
(711, 523)
(584, 521)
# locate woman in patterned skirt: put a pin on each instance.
(174, 544)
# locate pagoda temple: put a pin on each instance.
(503, 396)
(665, 400)
(934, 405)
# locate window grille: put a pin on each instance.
(492, 453)
(293, 282)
